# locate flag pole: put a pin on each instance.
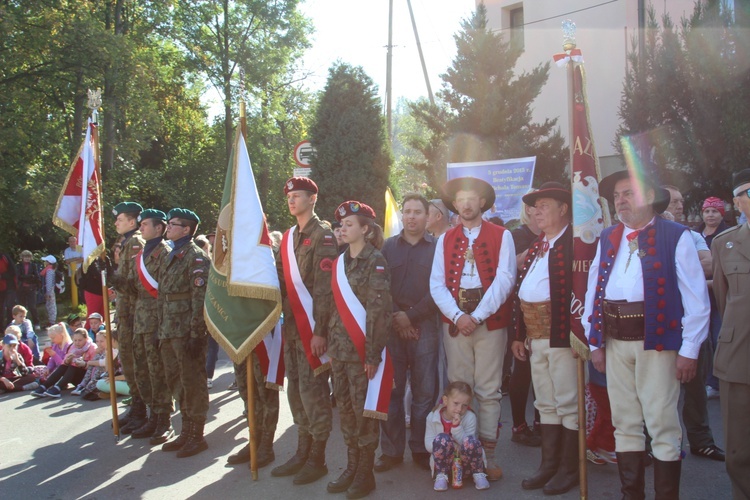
(94, 102)
(249, 360)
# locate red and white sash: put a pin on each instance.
(301, 302)
(271, 358)
(148, 281)
(354, 316)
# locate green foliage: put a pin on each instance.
(690, 95)
(353, 156)
(484, 110)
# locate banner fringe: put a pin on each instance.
(322, 368)
(580, 347)
(377, 415)
(239, 355)
(254, 292)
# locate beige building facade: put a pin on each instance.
(605, 33)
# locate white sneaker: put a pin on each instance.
(210, 383)
(441, 482)
(711, 393)
(76, 392)
(480, 481)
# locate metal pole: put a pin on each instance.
(421, 55)
(389, 73)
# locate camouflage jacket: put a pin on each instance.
(370, 280)
(182, 289)
(119, 280)
(145, 319)
(315, 248)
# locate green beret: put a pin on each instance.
(127, 207)
(152, 213)
(183, 213)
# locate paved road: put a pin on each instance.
(64, 449)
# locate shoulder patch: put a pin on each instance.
(199, 259)
(326, 265)
(379, 269)
(199, 282)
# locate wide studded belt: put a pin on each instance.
(469, 299)
(624, 320)
(537, 316)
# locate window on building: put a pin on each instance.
(516, 28)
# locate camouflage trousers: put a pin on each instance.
(187, 378)
(266, 400)
(149, 374)
(350, 389)
(309, 396)
(125, 337)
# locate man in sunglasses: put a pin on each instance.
(731, 285)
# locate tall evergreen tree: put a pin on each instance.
(353, 157)
(484, 109)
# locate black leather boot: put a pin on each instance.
(147, 429)
(632, 468)
(567, 473)
(315, 467)
(181, 439)
(551, 452)
(133, 409)
(163, 430)
(294, 464)
(136, 417)
(265, 450)
(195, 442)
(347, 477)
(667, 479)
(241, 457)
(364, 479)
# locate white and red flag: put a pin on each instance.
(79, 206)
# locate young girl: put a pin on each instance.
(360, 282)
(452, 428)
(14, 375)
(48, 275)
(73, 368)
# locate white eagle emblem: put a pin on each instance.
(342, 211)
(290, 185)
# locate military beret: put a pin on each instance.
(152, 213)
(354, 208)
(183, 213)
(300, 184)
(127, 207)
(740, 178)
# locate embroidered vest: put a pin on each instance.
(560, 288)
(486, 253)
(661, 295)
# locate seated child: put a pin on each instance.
(28, 336)
(96, 370)
(451, 429)
(95, 322)
(23, 350)
(73, 368)
(15, 375)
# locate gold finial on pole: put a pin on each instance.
(94, 102)
(569, 35)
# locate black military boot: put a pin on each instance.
(147, 429)
(364, 479)
(265, 450)
(125, 417)
(241, 457)
(632, 468)
(294, 464)
(551, 444)
(315, 467)
(667, 479)
(195, 443)
(136, 417)
(567, 473)
(163, 430)
(347, 477)
(181, 439)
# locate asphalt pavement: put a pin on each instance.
(65, 449)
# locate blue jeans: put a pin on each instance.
(211, 357)
(418, 358)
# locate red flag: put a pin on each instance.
(78, 208)
(588, 217)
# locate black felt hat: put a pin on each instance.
(607, 189)
(553, 190)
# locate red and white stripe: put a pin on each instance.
(148, 281)
(270, 354)
(574, 55)
(354, 316)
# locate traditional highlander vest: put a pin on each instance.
(486, 252)
(662, 299)
(560, 284)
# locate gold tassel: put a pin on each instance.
(322, 368)
(579, 347)
(377, 415)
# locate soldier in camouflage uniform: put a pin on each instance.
(126, 224)
(182, 329)
(367, 273)
(314, 250)
(149, 370)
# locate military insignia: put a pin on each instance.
(198, 259)
(136, 247)
(730, 244)
(326, 265)
(198, 271)
(138, 219)
(342, 211)
(199, 282)
(354, 207)
(290, 185)
(307, 242)
(114, 212)
(379, 269)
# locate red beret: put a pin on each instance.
(354, 208)
(300, 184)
